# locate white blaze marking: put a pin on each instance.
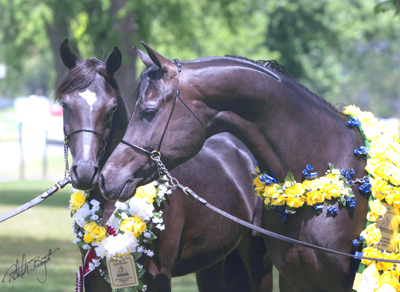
(89, 96)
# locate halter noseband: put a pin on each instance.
(155, 155)
(66, 142)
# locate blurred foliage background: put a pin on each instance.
(343, 50)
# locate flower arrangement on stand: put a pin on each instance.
(127, 232)
(382, 148)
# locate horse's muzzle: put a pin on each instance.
(84, 176)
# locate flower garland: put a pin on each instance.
(127, 231)
(383, 165)
(314, 191)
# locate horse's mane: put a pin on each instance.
(270, 64)
(82, 75)
(278, 68)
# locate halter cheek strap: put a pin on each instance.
(156, 153)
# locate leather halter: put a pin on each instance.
(66, 145)
(156, 153)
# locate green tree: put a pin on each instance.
(392, 5)
(338, 49)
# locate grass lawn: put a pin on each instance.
(41, 228)
(33, 233)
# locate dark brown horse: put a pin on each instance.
(194, 240)
(283, 124)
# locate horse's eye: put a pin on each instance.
(149, 113)
(64, 106)
(112, 111)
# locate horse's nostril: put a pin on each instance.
(74, 170)
(96, 171)
(102, 184)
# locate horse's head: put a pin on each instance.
(166, 119)
(88, 95)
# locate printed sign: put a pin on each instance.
(122, 272)
(389, 227)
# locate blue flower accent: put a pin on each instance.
(354, 122)
(365, 188)
(308, 174)
(347, 174)
(319, 206)
(362, 150)
(282, 214)
(267, 180)
(357, 253)
(332, 209)
(313, 175)
(357, 242)
(352, 203)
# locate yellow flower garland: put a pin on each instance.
(384, 167)
(291, 194)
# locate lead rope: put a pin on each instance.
(174, 184)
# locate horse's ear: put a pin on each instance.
(114, 61)
(163, 63)
(145, 59)
(69, 58)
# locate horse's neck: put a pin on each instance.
(118, 127)
(285, 126)
(119, 124)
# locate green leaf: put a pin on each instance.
(268, 207)
(141, 272)
(386, 6)
(289, 177)
(342, 200)
(137, 256)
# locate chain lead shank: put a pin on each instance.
(162, 170)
